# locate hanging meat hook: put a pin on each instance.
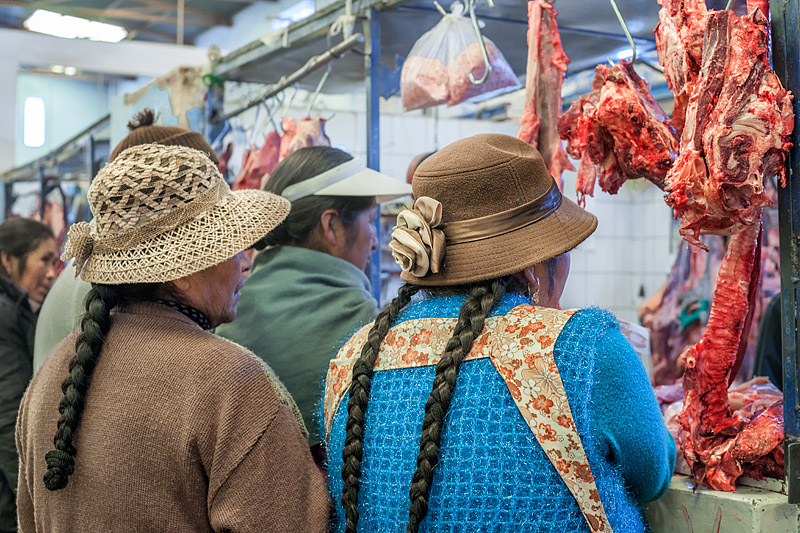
(730, 4)
(291, 100)
(625, 29)
(271, 118)
(317, 90)
(486, 63)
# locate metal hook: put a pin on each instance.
(291, 100)
(317, 90)
(271, 118)
(486, 63)
(730, 4)
(440, 8)
(625, 29)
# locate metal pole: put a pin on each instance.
(786, 61)
(180, 20)
(372, 61)
(42, 191)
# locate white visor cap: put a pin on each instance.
(352, 178)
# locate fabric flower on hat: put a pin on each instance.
(79, 245)
(417, 245)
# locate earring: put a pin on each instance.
(533, 293)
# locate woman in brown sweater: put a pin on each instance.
(142, 420)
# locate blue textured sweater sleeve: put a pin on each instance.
(628, 421)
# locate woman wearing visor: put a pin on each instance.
(308, 292)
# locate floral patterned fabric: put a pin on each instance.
(520, 346)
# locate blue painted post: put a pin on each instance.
(372, 61)
(786, 61)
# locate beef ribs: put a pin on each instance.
(620, 128)
(718, 446)
(547, 66)
(737, 129)
(679, 43)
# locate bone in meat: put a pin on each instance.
(737, 130)
(621, 129)
(679, 43)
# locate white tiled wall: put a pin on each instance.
(630, 250)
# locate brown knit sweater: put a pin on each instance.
(182, 431)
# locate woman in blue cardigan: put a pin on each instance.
(473, 403)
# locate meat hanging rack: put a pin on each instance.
(285, 82)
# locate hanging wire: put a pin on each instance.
(625, 29)
(486, 63)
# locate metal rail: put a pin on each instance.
(63, 152)
(786, 62)
(287, 81)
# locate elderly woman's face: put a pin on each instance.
(215, 290)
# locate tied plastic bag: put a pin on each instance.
(437, 68)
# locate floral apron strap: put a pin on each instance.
(523, 355)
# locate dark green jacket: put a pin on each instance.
(297, 309)
(17, 326)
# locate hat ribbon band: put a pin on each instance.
(477, 229)
(175, 217)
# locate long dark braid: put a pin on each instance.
(357, 405)
(471, 317)
(95, 324)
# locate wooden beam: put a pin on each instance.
(124, 14)
(216, 18)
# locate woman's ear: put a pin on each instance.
(182, 285)
(9, 263)
(327, 221)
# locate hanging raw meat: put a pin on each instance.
(259, 163)
(679, 42)
(289, 127)
(746, 401)
(677, 313)
(620, 128)
(737, 123)
(547, 66)
(470, 60)
(737, 130)
(309, 131)
(224, 157)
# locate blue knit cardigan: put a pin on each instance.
(492, 474)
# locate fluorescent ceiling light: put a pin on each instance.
(70, 71)
(299, 11)
(50, 23)
(57, 69)
(33, 122)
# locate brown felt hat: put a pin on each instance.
(501, 210)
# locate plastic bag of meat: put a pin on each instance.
(438, 66)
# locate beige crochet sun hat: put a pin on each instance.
(164, 212)
(485, 207)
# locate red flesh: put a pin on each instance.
(547, 65)
(621, 129)
(737, 128)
